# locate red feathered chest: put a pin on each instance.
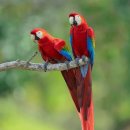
(79, 42)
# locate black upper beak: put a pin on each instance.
(75, 23)
(37, 38)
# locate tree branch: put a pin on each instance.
(24, 65)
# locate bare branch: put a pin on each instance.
(24, 65)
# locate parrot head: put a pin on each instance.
(75, 19)
(40, 36)
(37, 34)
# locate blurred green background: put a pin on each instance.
(41, 101)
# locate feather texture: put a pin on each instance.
(55, 50)
(82, 43)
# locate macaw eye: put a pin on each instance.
(71, 20)
(39, 34)
(78, 19)
(32, 37)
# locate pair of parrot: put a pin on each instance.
(79, 80)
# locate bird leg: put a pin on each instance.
(67, 64)
(45, 65)
(77, 61)
(84, 58)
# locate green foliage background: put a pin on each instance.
(36, 100)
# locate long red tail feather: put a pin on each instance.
(86, 111)
(81, 91)
(69, 77)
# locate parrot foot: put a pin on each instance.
(84, 58)
(77, 61)
(45, 66)
(67, 64)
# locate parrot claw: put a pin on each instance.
(84, 58)
(45, 66)
(67, 64)
(77, 61)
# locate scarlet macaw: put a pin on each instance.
(54, 50)
(83, 44)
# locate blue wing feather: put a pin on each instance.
(66, 54)
(91, 50)
(84, 69)
(71, 42)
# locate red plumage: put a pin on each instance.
(79, 34)
(50, 48)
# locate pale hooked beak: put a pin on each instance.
(33, 37)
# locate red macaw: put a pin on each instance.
(83, 44)
(54, 50)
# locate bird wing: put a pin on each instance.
(91, 44)
(62, 48)
(71, 41)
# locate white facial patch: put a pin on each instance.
(78, 19)
(39, 34)
(32, 37)
(71, 20)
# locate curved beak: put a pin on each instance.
(33, 37)
(75, 23)
(37, 38)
